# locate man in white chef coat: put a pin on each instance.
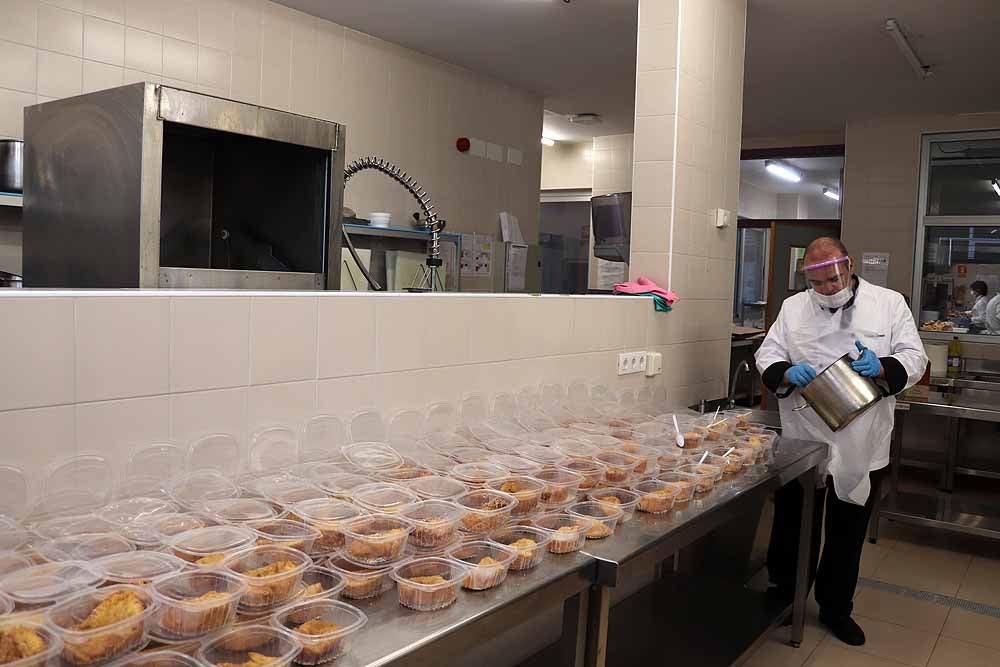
(840, 313)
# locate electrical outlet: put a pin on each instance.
(631, 362)
(654, 363)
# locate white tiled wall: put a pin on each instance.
(396, 103)
(107, 371)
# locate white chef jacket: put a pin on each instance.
(805, 332)
(979, 311)
(992, 316)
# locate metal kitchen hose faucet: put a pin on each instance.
(435, 225)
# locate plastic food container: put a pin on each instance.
(437, 487)
(159, 658)
(470, 454)
(693, 439)
(427, 584)
(382, 498)
(341, 485)
(435, 523)
(322, 627)
(526, 490)
(575, 449)
(404, 473)
(591, 429)
(477, 474)
(599, 441)
(11, 562)
(377, 539)
(668, 459)
(601, 518)
(361, 582)
(51, 642)
(530, 545)
(560, 486)
(192, 490)
(124, 512)
(83, 547)
(287, 493)
(271, 572)
(285, 533)
(320, 582)
(251, 645)
(592, 472)
(239, 510)
(705, 475)
(647, 456)
(567, 533)
(328, 516)
(41, 586)
(208, 547)
(539, 454)
(730, 463)
(516, 464)
(100, 625)
(137, 568)
(505, 445)
(618, 467)
(82, 524)
(485, 510)
(616, 498)
(372, 456)
(656, 497)
(166, 526)
(195, 603)
(488, 563)
(685, 483)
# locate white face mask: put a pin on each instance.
(831, 301)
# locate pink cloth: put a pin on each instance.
(643, 285)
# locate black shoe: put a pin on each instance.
(844, 628)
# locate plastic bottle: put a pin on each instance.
(954, 357)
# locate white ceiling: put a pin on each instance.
(811, 64)
(580, 56)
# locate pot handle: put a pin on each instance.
(800, 407)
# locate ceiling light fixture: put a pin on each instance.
(585, 118)
(782, 171)
(892, 27)
(996, 186)
(548, 142)
(832, 194)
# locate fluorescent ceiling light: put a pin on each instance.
(892, 27)
(996, 186)
(548, 142)
(832, 194)
(782, 171)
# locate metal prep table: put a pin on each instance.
(709, 620)
(399, 636)
(974, 401)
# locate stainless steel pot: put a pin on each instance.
(839, 394)
(11, 166)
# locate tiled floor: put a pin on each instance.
(903, 630)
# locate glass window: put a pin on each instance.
(963, 178)
(954, 258)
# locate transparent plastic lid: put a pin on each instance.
(518, 465)
(470, 454)
(123, 512)
(238, 510)
(445, 442)
(10, 562)
(478, 473)
(45, 584)
(324, 433)
(219, 452)
(274, 448)
(194, 489)
(441, 418)
(325, 509)
(92, 547)
(541, 454)
(212, 540)
(159, 659)
(13, 539)
(506, 427)
(166, 526)
(372, 456)
(80, 524)
(13, 491)
(368, 426)
(165, 458)
(341, 483)
(289, 492)
(322, 469)
(380, 497)
(437, 487)
(137, 568)
(81, 483)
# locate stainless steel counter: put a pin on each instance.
(647, 541)
(975, 402)
(397, 635)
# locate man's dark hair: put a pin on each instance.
(980, 287)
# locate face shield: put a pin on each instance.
(830, 281)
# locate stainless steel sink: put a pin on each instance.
(772, 419)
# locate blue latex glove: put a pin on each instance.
(800, 374)
(868, 363)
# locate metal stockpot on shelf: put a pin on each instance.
(839, 394)
(11, 165)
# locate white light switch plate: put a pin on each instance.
(654, 363)
(723, 217)
(631, 362)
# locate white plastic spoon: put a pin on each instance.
(677, 433)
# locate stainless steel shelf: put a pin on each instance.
(396, 233)
(11, 200)
(943, 512)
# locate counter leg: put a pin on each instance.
(951, 455)
(808, 481)
(573, 643)
(597, 626)
(896, 457)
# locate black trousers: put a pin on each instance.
(836, 573)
